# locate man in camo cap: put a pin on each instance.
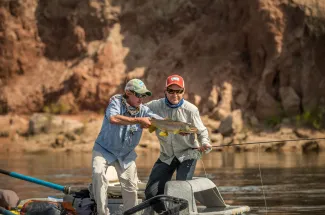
(124, 119)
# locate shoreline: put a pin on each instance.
(41, 133)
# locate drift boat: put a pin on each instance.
(199, 196)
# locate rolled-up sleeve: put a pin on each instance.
(113, 107)
(203, 134)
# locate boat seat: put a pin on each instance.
(201, 189)
(114, 189)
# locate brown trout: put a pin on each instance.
(167, 125)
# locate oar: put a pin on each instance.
(5, 212)
(64, 189)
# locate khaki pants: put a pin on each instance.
(128, 179)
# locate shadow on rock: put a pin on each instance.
(66, 26)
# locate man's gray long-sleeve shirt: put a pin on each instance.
(175, 144)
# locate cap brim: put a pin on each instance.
(174, 84)
(144, 91)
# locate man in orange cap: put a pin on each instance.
(176, 151)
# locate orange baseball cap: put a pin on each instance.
(175, 79)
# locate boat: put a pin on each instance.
(199, 196)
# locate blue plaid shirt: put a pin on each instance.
(117, 142)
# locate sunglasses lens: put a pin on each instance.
(171, 91)
(140, 95)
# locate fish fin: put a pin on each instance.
(163, 134)
(152, 128)
(177, 131)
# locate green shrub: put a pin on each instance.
(57, 108)
(273, 121)
(314, 118)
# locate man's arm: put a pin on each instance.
(203, 134)
(113, 115)
(124, 120)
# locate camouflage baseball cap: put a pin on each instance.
(137, 86)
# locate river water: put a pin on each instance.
(270, 183)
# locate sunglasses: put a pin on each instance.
(138, 95)
(171, 91)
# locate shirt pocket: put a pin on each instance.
(188, 139)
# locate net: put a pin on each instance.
(160, 205)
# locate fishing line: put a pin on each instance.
(258, 155)
(260, 171)
(260, 174)
(221, 200)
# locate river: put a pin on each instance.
(293, 183)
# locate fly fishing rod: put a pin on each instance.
(272, 141)
(264, 142)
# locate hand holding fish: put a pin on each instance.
(183, 133)
(205, 148)
(144, 122)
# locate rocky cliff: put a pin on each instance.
(264, 57)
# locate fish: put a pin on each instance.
(171, 126)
